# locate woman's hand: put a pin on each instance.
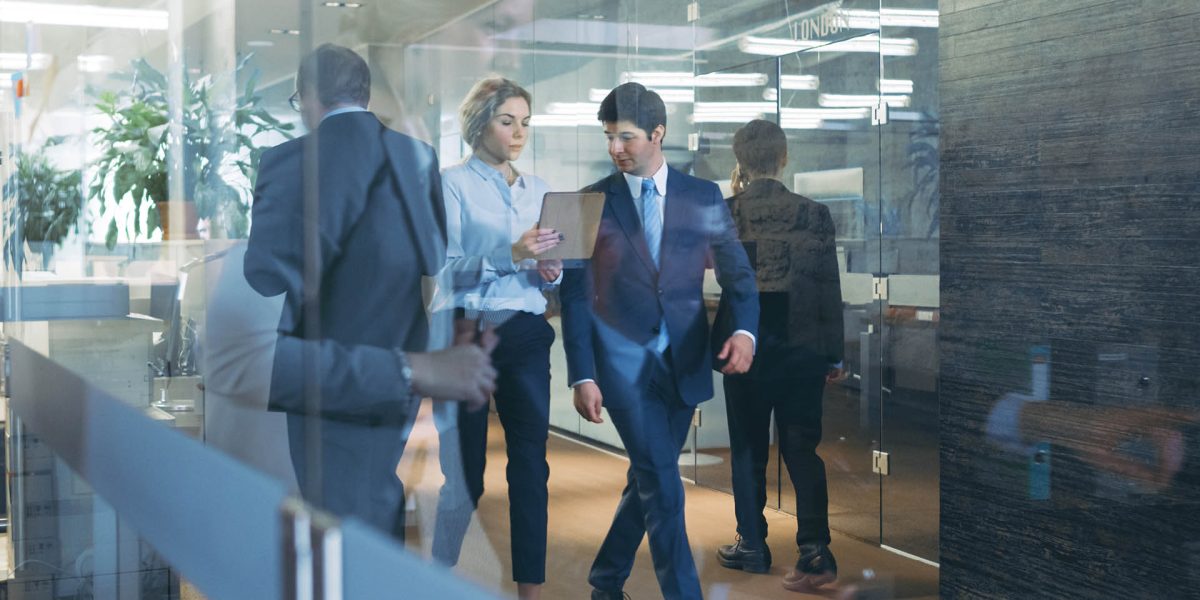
(534, 242)
(550, 269)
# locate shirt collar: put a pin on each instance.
(343, 110)
(659, 177)
(489, 172)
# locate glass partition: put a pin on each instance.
(183, 234)
(909, 259)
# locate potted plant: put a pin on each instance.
(132, 167)
(49, 203)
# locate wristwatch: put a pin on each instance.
(406, 372)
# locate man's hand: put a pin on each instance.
(588, 401)
(835, 375)
(550, 269)
(462, 372)
(738, 354)
(534, 242)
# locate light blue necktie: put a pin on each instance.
(651, 218)
(652, 227)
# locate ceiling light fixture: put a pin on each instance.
(889, 17)
(562, 120)
(94, 63)
(827, 114)
(19, 61)
(343, 4)
(799, 82)
(260, 43)
(867, 43)
(668, 95)
(861, 100)
(82, 15)
(280, 31)
(895, 86)
(685, 79)
(589, 109)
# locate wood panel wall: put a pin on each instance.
(1070, 219)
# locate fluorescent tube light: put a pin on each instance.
(827, 114)
(800, 123)
(573, 108)
(19, 61)
(668, 95)
(867, 43)
(888, 17)
(83, 15)
(563, 120)
(866, 100)
(94, 63)
(896, 86)
(799, 82)
(684, 79)
(906, 17)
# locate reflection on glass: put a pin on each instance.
(791, 242)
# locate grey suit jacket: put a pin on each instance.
(380, 228)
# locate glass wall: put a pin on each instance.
(142, 204)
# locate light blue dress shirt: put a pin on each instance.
(660, 185)
(484, 217)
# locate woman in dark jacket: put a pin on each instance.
(790, 240)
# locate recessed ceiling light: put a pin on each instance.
(280, 31)
(260, 43)
(343, 4)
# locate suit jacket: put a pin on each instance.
(380, 227)
(800, 293)
(612, 309)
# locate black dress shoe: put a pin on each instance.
(752, 558)
(815, 568)
(603, 595)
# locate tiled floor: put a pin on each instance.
(584, 488)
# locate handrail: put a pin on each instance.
(215, 520)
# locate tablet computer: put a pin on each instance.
(576, 217)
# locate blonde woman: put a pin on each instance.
(493, 245)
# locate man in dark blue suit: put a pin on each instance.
(635, 331)
(347, 220)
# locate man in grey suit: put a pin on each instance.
(346, 221)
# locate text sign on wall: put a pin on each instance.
(829, 22)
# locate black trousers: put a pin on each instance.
(796, 402)
(522, 361)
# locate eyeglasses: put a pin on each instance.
(294, 100)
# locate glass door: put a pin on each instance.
(909, 260)
(726, 100)
(827, 110)
(817, 96)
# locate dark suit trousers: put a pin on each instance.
(653, 430)
(522, 362)
(358, 471)
(796, 402)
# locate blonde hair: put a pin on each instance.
(481, 103)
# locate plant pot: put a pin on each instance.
(190, 220)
